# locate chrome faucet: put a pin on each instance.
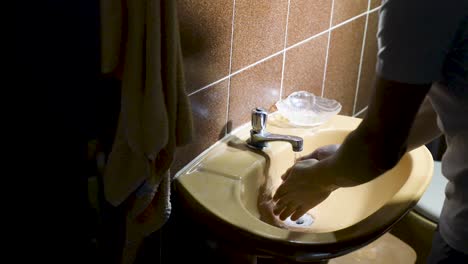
(259, 136)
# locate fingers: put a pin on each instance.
(280, 205)
(284, 209)
(291, 209)
(280, 192)
(287, 212)
(300, 211)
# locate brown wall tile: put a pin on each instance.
(307, 18)
(259, 32)
(375, 3)
(304, 67)
(206, 40)
(343, 63)
(259, 28)
(209, 118)
(368, 62)
(257, 86)
(346, 9)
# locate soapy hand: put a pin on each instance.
(306, 184)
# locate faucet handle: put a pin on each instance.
(259, 118)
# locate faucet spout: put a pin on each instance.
(259, 141)
(259, 136)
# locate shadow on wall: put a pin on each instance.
(226, 128)
(202, 42)
(195, 46)
(192, 39)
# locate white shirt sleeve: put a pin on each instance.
(415, 37)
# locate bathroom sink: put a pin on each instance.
(225, 185)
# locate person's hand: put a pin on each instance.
(322, 152)
(305, 185)
(265, 207)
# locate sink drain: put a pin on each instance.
(303, 222)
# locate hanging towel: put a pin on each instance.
(140, 41)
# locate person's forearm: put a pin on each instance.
(352, 162)
(381, 139)
(424, 128)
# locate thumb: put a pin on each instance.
(313, 155)
(286, 174)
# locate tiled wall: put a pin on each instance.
(240, 54)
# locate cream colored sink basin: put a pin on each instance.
(225, 184)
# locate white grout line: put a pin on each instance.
(307, 40)
(256, 63)
(349, 20)
(328, 48)
(281, 51)
(284, 51)
(361, 111)
(208, 85)
(326, 31)
(358, 81)
(375, 9)
(230, 66)
(236, 72)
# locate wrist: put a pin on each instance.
(339, 177)
(330, 174)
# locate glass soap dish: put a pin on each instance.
(305, 109)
